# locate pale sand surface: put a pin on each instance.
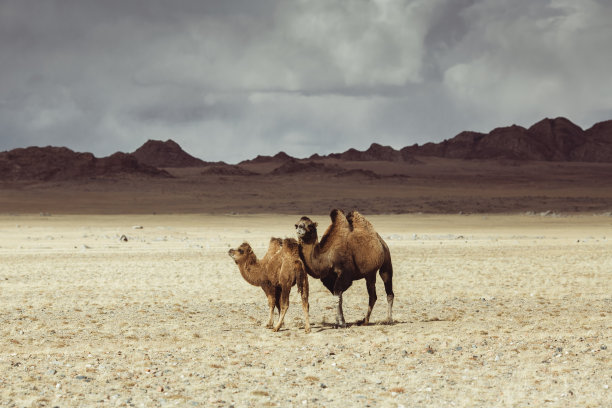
(489, 310)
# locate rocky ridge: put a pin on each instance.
(166, 154)
(60, 163)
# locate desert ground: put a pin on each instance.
(490, 310)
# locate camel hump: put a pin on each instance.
(275, 242)
(359, 222)
(274, 247)
(337, 229)
(335, 213)
(367, 246)
(291, 245)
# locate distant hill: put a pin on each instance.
(375, 152)
(548, 140)
(60, 163)
(280, 157)
(166, 154)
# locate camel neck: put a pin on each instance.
(251, 271)
(310, 253)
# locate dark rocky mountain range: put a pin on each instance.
(375, 152)
(60, 163)
(166, 154)
(548, 140)
(279, 157)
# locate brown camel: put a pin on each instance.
(349, 250)
(279, 269)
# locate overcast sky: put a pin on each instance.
(230, 79)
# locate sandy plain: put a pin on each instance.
(490, 310)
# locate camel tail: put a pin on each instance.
(386, 270)
(386, 274)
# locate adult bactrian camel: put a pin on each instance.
(279, 269)
(349, 250)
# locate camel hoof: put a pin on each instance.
(307, 330)
(362, 322)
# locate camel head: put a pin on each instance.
(306, 230)
(240, 254)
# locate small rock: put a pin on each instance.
(137, 227)
(123, 238)
(322, 385)
(603, 347)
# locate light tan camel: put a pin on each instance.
(279, 269)
(349, 250)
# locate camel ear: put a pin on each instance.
(316, 224)
(295, 226)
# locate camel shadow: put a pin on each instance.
(324, 326)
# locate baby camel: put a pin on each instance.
(279, 269)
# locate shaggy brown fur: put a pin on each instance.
(349, 250)
(279, 269)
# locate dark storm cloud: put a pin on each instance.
(231, 79)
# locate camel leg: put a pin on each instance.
(371, 286)
(343, 282)
(305, 305)
(387, 278)
(277, 294)
(284, 303)
(340, 322)
(271, 305)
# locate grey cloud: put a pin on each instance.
(231, 79)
